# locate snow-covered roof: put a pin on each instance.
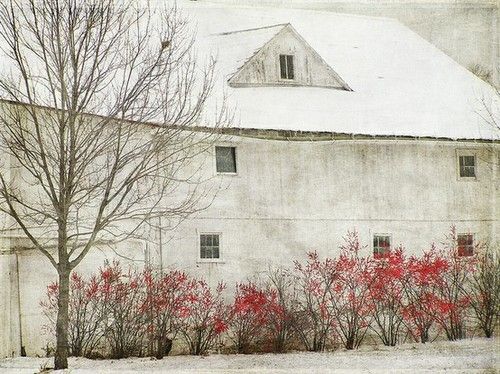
(402, 85)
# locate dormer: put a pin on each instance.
(287, 60)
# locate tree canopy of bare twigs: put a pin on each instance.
(100, 99)
(490, 112)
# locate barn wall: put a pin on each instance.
(10, 337)
(292, 197)
(5, 306)
(10, 344)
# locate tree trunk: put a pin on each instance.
(349, 344)
(61, 355)
(424, 335)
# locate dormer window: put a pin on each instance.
(286, 67)
(284, 60)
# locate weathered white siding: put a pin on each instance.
(9, 322)
(290, 197)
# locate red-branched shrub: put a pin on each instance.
(85, 324)
(248, 316)
(282, 309)
(437, 290)
(334, 297)
(165, 305)
(387, 296)
(422, 277)
(313, 318)
(204, 317)
(350, 292)
(451, 303)
(121, 297)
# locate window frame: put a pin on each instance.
(464, 153)
(235, 159)
(209, 260)
(377, 255)
(287, 71)
(472, 245)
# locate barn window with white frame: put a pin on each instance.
(209, 246)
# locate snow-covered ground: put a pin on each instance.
(477, 355)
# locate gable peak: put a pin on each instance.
(286, 59)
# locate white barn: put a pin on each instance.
(341, 122)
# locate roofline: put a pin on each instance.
(342, 82)
(279, 134)
(100, 116)
(255, 53)
(252, 29)
(300, 135)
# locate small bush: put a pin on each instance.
(484, 290)
(204, 317)
(387, 296)
(350, 292)
(85, 325)
(314, 320)
(281, 310)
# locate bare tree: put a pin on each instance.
(98, 132)
(489, 111)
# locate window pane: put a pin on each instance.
(467, 166)
(289, 63)
(209, 246)
(469, 160)
(465, 244)
(466, 171)
(464, 239)
(283, 66)
(225, 158)
(381, 244)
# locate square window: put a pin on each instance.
(467, 166)
(381, 245)
(465, 244)
(209, 246)
(225, 159)
(286, 67)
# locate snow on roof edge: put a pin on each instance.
(285, 134)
